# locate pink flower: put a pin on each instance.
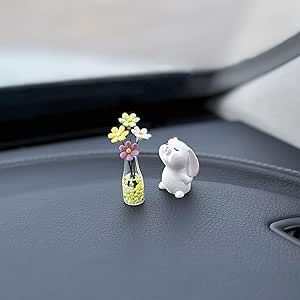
(129, 150)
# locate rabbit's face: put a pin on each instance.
(174, 154)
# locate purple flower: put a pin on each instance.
(128, 151)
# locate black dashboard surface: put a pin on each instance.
(218, 137)
(66, 234)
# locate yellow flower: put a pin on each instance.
(129, 120)
(118, 134)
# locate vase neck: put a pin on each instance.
(132, 167)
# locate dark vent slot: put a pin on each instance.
(293, 231)
(288, 229)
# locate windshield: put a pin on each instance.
(65, 40)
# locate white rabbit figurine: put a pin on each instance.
(181, 165)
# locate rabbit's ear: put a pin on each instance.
(193, 164)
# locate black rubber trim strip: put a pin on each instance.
(22, 102)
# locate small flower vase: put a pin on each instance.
(132, 183)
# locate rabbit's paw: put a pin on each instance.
(179, 194)
(161, 186)
(187, 179)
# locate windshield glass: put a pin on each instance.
(62, 40)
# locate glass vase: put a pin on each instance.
(132, 183)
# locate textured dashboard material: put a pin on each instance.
(66, 234)
(217, 137)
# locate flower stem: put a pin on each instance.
(130, 167)
(133, 167)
